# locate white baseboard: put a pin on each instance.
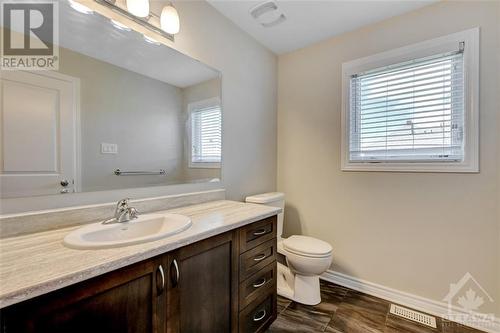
(426, 305)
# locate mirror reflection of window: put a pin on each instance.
(206, 136)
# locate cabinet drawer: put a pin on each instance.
(257, 233)
(258, 284)
(259, 314)
(257, 258)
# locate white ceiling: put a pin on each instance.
(312, 21)
(94, 36)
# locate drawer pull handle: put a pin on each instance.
(259, 315)
(259, 232)
(260, 257)
(260, 283)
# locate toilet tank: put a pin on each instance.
(274, 199)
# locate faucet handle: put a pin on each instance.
(121, 206)
(123, 203)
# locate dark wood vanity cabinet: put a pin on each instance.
(226, 283)
(122, 301)
(202, 292)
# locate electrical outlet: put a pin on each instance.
(109, 148)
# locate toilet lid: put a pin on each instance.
(307, 246)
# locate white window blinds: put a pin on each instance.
(409, 112)
(206, 138)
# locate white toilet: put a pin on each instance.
(307, 258)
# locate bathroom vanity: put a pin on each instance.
(217, 276)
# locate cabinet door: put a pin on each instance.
(203, 286)
(124, 301)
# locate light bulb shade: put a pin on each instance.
(139, 8)
(169, 20)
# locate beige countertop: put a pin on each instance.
(38, 263)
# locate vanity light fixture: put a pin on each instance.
(169, 20)
(80, 8)
(139, 8)
(151, 40)
(167, 24)
(120, 26)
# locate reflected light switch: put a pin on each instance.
(109, 148)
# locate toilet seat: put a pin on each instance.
(307, 246)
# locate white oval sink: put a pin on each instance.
(145, 228)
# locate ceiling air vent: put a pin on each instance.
(268, 14)
(413, 315)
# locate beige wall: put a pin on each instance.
(414, 232)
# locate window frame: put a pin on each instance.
(193, 107)
(470, 163)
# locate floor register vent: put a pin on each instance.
(413, 315)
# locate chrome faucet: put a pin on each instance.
(124, 213)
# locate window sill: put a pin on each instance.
(204, 165)
(443, 167)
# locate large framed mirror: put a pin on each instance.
(122, 111)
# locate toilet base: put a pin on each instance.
(307, 290)
(299, 288)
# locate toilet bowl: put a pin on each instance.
(306, 257)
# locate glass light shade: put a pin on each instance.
(139, 8)
(169, 20)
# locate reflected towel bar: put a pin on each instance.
(118, 172)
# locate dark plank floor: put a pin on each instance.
(343, 310)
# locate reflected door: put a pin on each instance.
(37, 134)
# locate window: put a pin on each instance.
(206, 138)
(413, 109)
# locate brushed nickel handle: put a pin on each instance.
(161, 287)
(262, 316)
(260, 284)
(176, 277)
(260, 257)
(259, 232)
